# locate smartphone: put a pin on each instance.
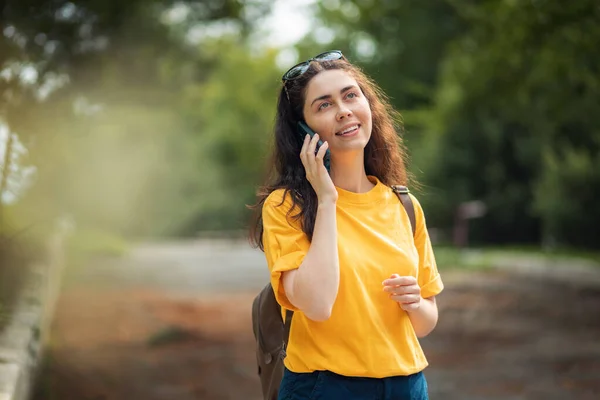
(303, 129)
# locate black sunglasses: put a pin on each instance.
(298, 69)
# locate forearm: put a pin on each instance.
(424, 319)
(314, 285)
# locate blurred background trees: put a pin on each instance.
(153, 118)
(498, 99)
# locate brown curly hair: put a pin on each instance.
(385, 155)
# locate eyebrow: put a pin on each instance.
(327, 96)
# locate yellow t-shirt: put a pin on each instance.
(368, 334)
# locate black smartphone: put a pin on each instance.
(303, 129)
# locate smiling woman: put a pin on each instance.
(339, 244)
(346, 133)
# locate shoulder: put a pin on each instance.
(419, 213)
(279, 206)
(279, 198)
(414, 200)
(416, 204)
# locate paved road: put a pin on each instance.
(508, 335)
(184, 268)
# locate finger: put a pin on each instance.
(410, 307)
(413, 289)
(389, 289)
(400, 281)
(321, 153)
(311, 166)
(311, 151)
(395, 289)
(405, 298)
(303, 149)
(305, 143)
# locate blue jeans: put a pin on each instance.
(326, 385)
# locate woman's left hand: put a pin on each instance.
(405, 290)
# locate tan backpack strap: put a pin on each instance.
(402, 193)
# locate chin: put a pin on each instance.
(355, 146)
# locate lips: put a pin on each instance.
(348, 130)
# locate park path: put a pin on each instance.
(172, 321)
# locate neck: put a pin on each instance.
(348, 173)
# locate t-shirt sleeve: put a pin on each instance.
(285, 243)
(428, 278)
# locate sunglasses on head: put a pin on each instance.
(298, 69)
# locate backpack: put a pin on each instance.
(271, 333)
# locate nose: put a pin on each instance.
(343, 112)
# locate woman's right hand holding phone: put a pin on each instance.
(316, 173)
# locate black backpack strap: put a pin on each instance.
(402, 193)
(287, 325)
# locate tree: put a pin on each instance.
(109, 143)
(498, 99)
(232, 116)
(514, 124)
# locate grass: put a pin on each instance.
(561, 253)
(97, 243)
(484, 258)
(448, 258)
(84, 244)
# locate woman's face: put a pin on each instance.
(338, 111)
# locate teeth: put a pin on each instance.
(349, 129)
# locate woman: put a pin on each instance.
(339, 244)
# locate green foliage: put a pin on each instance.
(119, 148)
(515, 119)
(566, 197)
(69, 36)
(498, 99)
(157, 136)
(232, 118)
(398, 43)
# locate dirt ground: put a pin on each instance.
(500, 336)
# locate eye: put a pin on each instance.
(351, 95)
(323, 105)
